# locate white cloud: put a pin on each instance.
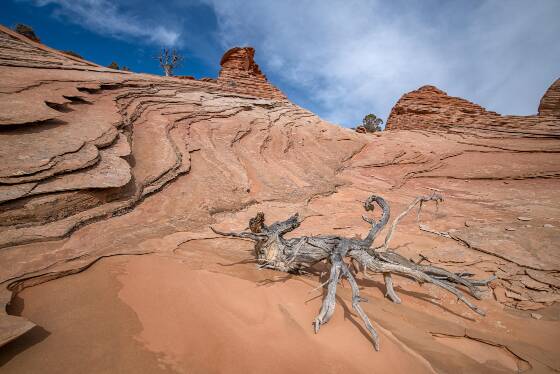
(349, 58)
(106, 18)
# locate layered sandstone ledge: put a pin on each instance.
(431, 108)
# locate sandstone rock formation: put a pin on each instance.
(97, 163)
(434, 108)
(84, 143)
(431, 108)
(452, 138)
(550, 102)
(240, 73)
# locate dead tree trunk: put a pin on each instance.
(169, 60)
(273, 251)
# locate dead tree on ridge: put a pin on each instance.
(169, 60)
(273, 251)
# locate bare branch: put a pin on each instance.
(242, 235)
(169, 60)
(376, 227)
(419, 200)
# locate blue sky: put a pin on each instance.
(340, 59)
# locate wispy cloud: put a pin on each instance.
(349, 58)
(107, 18)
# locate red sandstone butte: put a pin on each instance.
(241, 74)
(431, 108)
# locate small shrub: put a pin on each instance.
(72, 53)
(372, 123)
(26, 31)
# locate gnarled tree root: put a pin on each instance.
(273, 251)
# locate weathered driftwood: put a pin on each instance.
(293, 255)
